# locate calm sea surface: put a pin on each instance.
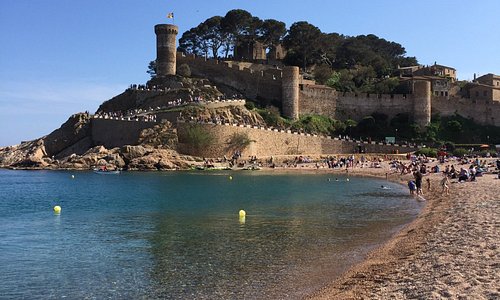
(178, 235)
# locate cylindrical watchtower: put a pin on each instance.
(166, 50)
(290, 92)
(422, 102)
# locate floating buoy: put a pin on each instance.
(57, 209)
(72, 176)
(242, 213)
(230, 177)
(347, 179)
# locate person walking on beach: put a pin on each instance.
(445, 183)
(418, 182)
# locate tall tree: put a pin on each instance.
(303, 39)
(234, 25)
(190, 42)
(211, 34)
(272, 32)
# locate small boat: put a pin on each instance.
(106, 172)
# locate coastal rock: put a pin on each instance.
(75, 129)
(26, 155)
(158, 159)
(132, 152)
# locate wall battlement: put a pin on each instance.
(269, 142)
(253, 84)
(279, 87)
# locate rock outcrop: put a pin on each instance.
(74, 133)
(72, 146)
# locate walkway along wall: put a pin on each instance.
(268, 142)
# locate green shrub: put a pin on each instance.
(198, 137)
(184, 70)
(249, 105)
(459, 152)
(429, 152)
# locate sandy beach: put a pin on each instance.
(450, 251)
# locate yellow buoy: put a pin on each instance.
(242, 213)
(230, 177)
(57, 209)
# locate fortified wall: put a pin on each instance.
(269, 142)
(112, 133)
(253, 84)
(318, 99)
(297, 98)
(285, 87)
(484, 112)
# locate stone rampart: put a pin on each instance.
(481, 111)
(112, 133)
(268, 142)
(356, 106)
(253, 84)
(317, 99)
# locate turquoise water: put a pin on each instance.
(177, 235)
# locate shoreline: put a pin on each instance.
(435, 255)
(450, 250)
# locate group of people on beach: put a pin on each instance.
(418, 167)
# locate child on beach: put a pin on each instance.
(412, 187)
(445, 182)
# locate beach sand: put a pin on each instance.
(450, 251)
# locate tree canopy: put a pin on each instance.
(362, 63)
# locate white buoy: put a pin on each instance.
(72, 176)
(230, 177)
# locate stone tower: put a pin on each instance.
(422, 102)
(290, 92)
(166, 49)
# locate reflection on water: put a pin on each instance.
(150, 235)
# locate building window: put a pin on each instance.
(485, 93)
(446, 94)
(477, 93)
(437, 93)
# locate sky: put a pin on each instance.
(60, 57)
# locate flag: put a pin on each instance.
(170, 15)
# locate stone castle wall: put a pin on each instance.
(277, 86)
(482, 111)
(267, 142)
(316, 99)
(253, 84)
(112, 133)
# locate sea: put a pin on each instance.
(178, 235)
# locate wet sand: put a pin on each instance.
(451, 250)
